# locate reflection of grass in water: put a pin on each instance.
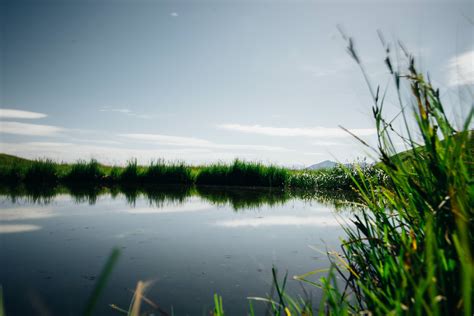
(243, 198)
(159, 195)
(32, 194)
(86, 193)
(156, 195)
(338, 200)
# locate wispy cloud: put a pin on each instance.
(328, 143)
(196, 142)
(70, 152)
(313, 154)
(174, 14)
(122, 110)
(19, 114)
(292, 132)
(126, 112)
(461, 69)
(169, 140)
(18, 128)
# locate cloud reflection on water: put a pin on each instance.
(25, 213)
(324, 221)
(18, 228)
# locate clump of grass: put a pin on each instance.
(12, 174)
(131, 174)
(85, 172)
(41, 172)
(339, 178)
(411, 251)
(241, 173)
(113, 175)
(161, 172)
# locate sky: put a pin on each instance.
(209, 81)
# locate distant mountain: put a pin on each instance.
(323, 165)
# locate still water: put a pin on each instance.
(190, 244)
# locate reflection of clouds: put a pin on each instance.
(171, 208)
(25, 213)
(18, 228)
(281, 221)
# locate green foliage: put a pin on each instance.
(172, 173)
(410, 250)
(85, 172)
(102, 282)
(339, 178)
(131, 174)
(41, 172)
(218, 306)
(241, 173)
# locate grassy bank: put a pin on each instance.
(15, 170)
(409, 250)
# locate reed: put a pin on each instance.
(409, 248)
(241, 173)
(160, 172)
(85, 172)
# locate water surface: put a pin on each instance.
(191, 244)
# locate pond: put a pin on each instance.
(191, 243)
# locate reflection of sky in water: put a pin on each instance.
(17, 228)
(281, 221)
(54, 252)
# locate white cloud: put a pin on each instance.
(69, 152)
(126, 112)
(29, 129)
(461, 69)
(19, 114)
(196, 142)
(106, 109)
(313, 154)
(327, 143)
(292, 132)
(174, 14)
(169, 140)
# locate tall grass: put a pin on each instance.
(409, 250)
(161, 172)
(339, 178)
(41, 172)
(131, 174)
(241, 173)
(412, 252)
(85, 172)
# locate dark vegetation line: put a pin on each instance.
(239, 198)
(16, 171)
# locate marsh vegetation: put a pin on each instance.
(407, 248)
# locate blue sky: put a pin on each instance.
(205, 81)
